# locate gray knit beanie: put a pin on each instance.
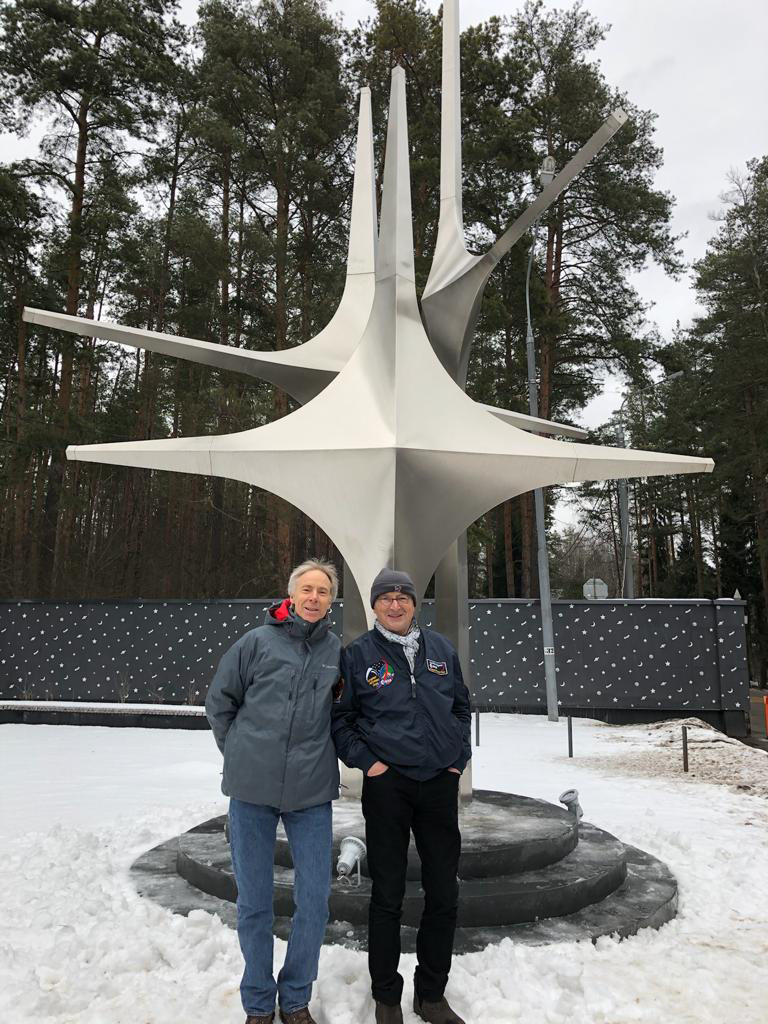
(391, 579)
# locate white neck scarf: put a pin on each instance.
(409, 641)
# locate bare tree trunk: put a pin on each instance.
(50, 565)
(716, 549)
(759, 471)
(695, 521)
(509, 548)
(21, 495)
(653, 561)
(489, 556)
(529, 582)
(238, 340)
(615, 531)
(548, 345)
(546, 342)
(213, 574)
(166, 264)
(282, 512)
(640, 590)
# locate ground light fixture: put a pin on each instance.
(350, 857)
(570, 798)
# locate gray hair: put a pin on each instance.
(314, 563)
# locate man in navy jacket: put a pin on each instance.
(403, 717)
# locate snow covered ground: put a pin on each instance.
(78, 946)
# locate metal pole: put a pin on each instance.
(547, 631)
(451, 612)
(477, 727)
(570, 736)
(685, 748)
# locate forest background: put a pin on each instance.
(196, 180)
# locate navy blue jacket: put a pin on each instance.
(420, 727)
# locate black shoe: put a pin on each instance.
(388, 1014)
(436, 1013)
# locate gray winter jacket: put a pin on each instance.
(269, 706)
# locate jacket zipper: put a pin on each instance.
(293, 714)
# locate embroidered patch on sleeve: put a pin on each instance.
(380, 674)
(440, 668)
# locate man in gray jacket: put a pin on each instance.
(269, 707)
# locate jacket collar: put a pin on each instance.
(282, 614)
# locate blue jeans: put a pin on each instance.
(252, 830)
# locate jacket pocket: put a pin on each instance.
(230, 733)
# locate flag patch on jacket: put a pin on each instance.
(440, 668)
(380, 674)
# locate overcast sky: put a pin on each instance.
(701, 66)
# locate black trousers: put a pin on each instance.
(393, 806)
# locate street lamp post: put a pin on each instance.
(628, 568)
(546, 175)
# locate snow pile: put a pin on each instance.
(79, 946)
(657, 751)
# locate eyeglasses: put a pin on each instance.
(404, 599)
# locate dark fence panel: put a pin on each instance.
(653, 654)
(676, 656)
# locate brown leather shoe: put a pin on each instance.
(302, 1016)
(388, 1014)
(260, 1018)
(436, 1013)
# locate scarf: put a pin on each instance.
(409, 642)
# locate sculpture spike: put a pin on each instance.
(396, 229)
(450, 116)
(535, 424)
(450, 303)
(176, 454)
(303, 371)
(561, 181)
(450, 256)
(363, 229)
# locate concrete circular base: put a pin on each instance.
(527, 873)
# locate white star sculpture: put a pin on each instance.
(391, 458)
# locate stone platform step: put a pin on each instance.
(646, 899)
(501, 834)
(586, 875)
(599, 887)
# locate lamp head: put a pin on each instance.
(547, 172)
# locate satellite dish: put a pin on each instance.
(595, 590)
